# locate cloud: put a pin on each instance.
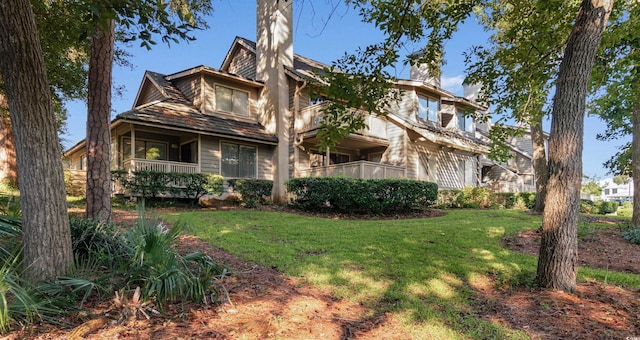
(452, 84)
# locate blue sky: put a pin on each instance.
(319, 34)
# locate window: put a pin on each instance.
(428, 108)
(238, 161)
(465, 123)
(230, 100)
(614, 191)
(606, 191)
(144, 149)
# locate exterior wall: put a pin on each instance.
(191, 87)
(616, 192)
(429, 162)
(265, 166)
(210, 157)
(407, 106)
(150, 94)
(243, 63)
(209, 97)
(523, 143)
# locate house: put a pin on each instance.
(611, 191)
(255, 117)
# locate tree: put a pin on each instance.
(64, 60)
(138, 20)
(98, 122)
(616, 85)
(436, 20)
(591, 187)
(46, 232)
(557, 261)
(518, 67)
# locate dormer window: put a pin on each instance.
(428, 108)
(232, 101)
(465, 123)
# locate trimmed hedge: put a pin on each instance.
(356, 195)
(485, 198)
(151, 184)
(253, 192)
(598, 207)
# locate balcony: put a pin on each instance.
(359, 169)
(311, 117)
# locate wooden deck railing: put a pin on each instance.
(161, 166)
(359, 169)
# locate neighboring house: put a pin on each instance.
(256, 118)
(616, 192)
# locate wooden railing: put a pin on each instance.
(359, 169)
(161, 166)
(311, 117)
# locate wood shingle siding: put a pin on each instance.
(210, 158)
(265, 161)
(191, 87)
(150, 94)
(243, 64)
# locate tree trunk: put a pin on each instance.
(8, 162)
(539, 163)
(635, 142)
(46, 233)
(98, 120)
(557, 263)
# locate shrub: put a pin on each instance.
(587, 207)
(150, 184)
(604, 207)
(252, 191)
(360, 196)
(632, 235)
(524, 200)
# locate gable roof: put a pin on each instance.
(303, 67)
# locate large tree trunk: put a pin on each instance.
(557, 263)
(98, 119)
(46, 232)
(8, 162)
(539, 163)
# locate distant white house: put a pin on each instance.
(616, 192)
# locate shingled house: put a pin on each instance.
(255, 117)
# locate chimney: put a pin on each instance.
(472, 91)
(420, 69)
(274, 52)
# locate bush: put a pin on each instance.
(151, 184)
(450, 199)
(524, 200)
(587, 207)
(604, 207)
(632, 235)
(355, 195)
(252, 191)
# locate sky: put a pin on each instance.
(323, 30)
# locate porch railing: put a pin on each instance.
(358, 169)
(160, 166)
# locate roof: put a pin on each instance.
(174, 113)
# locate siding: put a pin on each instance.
(191, 88)
(523, 143)
(395, 153)
(406, 106)
(149, 94)
(243, 63)
(265, 161)
(210, 157)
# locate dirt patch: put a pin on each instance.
(258, 302)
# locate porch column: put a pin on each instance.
(199, 155)
(327, 162)
(133, 149)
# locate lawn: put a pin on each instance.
(421, 270)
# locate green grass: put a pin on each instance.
(422, 270)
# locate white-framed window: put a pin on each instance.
(465, 123)
(428, 108)
(232, 100)
(238, 160)
(145, 149)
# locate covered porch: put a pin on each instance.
(138, 148)
(357, 169)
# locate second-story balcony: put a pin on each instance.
(310, 118)
(358, 169)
